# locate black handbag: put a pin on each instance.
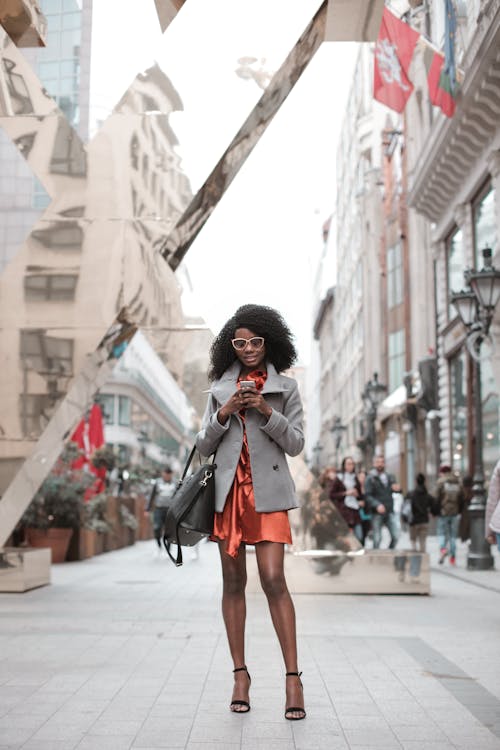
(191, 509)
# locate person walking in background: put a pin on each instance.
(422, 505)
(158, 502)
(492, 514)
(365, 514)
(346, 495)
(379, 487)
(327, 477)
(253, 420)
(450, 502)
(464, 524)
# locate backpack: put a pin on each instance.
(450, 503)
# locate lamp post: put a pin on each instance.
(475, 306)
(337, 429)
(317, 448)
(373, 394)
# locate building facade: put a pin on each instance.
(454, 184)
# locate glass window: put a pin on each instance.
(71, 21)
(107, 403)
(455, 266)
(55, 287)
(35, 410)
(484, 225)
(459, 426)
(124, 410)
(396, 359)
(394, 276)
(50, 6)
(46, 353)
(491, 417)
(48, 70)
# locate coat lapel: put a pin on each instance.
(224, 388)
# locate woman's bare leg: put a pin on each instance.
(234, 578)
(270, 561)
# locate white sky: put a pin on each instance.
(263, 240)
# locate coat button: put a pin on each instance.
(276, 467)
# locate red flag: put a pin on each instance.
(393, 54)
(440, 90)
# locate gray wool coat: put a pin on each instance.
(268, 440)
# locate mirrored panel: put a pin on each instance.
(122, 205)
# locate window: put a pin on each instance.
(35, 410)
(107, 403)
(65, 235)
(491, 416)
(455, 266)
(484, 224)
(394, 276)
(55, 288)
(46, 353)
(396, 359)
(124, 411)
(459, 426)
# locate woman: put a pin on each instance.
(346, 496)
(252, 428)
(422, 504)
(364, 511)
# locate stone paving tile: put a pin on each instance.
(105, 726)
(427, 732)
(15, 735)
(261, 730)
(377, 737)
(321, 742)
(95, 742)
(50, 745)
(267, 744)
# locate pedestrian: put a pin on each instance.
(252, 427)
(492, 514)
(365, 513)
(345, 493)
(158, 502)
(326, 478)
(464, 524)
(422, 505)
(379, 487)
(450, 502)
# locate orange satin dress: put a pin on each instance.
(239, 521)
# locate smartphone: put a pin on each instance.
(247, 384)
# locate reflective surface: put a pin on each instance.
(92, 268)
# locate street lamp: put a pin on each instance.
(337, 429)
(317, 448)
(373, 394)
(475, 306)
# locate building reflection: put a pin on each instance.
(94, 250)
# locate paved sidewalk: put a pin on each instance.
(126, 651)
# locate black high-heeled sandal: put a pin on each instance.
(245, 704)
(295, 709)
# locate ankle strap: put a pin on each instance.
(240, 669)
(293, 674)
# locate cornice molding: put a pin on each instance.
(454, 144)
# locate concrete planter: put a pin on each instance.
(56, 539)
(23, 569)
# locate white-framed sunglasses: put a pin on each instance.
(256, 342)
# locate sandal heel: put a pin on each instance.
(295, 709)
(245, 705)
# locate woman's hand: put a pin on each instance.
(231, 406)
(252, 399)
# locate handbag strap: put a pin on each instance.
(177, 562)
(188, 463)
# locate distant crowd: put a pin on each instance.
(370, 501)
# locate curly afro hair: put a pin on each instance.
(263, 321)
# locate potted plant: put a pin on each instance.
(56, 509)
(94, 526)
(128, 522)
